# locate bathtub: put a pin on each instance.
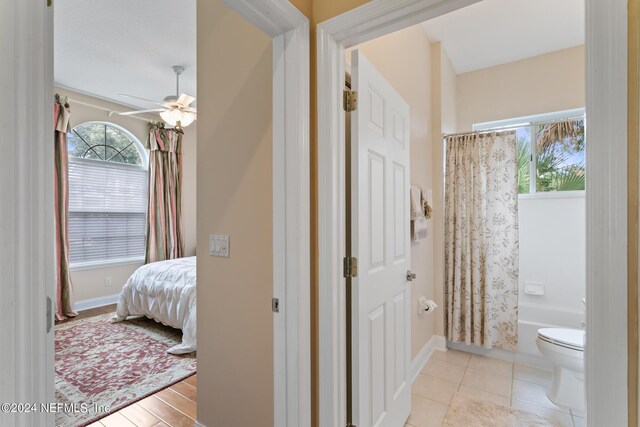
(531, 317)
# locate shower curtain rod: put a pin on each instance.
(509, 127)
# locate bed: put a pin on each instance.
(166, 292)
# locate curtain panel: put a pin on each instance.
(481, 240)
(165, 236)
(64, 287)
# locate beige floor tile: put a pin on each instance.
(534, 393)
(455, 357)
(484, 381)
(579, 422)
(485, 395)
(560, 418)
(434, 388)
(426, 413)
(531, 374)
(444, 371)
(491, 365)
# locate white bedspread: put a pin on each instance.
(166, 292)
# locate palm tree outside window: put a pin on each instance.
(551, 151)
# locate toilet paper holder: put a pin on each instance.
(426, 305)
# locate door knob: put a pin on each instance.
(410, 276)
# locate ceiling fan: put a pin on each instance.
(175, 109)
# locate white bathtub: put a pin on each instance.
(531, 318)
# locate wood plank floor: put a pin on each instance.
(172, 407)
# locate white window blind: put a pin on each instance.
(107, 211)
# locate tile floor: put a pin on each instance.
(505, 383)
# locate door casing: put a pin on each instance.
(606, 45)
(27, 259)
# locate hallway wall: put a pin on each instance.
(235, 332)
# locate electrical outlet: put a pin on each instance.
(107, 281)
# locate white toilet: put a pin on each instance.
(565, 349)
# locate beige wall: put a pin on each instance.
(90, 283)
(404, 59)
(443, 107)
(235, 322)
(541, 84)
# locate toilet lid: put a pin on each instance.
(572, 338)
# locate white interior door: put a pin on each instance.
(380, 241)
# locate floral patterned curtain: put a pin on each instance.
(165, 238)
(64, 288)
(481, 239)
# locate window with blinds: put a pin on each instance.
(107, 195)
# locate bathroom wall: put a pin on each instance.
(541, 84)
(89, 284)
(444, 112)
(553, 253)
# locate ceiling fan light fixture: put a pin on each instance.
(187, 119)
(172, 117)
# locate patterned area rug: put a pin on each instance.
(102, 366)
(466, 411)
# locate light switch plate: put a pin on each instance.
(219, 245)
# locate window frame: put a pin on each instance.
(144, 156)
(531, 121)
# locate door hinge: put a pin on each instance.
(350, 265)
(275, 305)
(49, 314)
(350, 100)
(49, 3)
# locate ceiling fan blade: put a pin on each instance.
(140, 98)
(131, 113)
(185, 99)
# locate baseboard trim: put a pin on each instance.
(95, 302)
(437, 342)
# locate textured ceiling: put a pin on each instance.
(494, 32)
(107, 47)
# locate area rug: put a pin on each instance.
(102, 367)
(470, 412)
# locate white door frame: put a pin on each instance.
(606, 352)
(26, 209)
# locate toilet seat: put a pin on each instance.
(568, 338)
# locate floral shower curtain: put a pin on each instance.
(481, 239)
(64, 288)
(165, 239)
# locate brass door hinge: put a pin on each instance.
(350, 267)
(49, 3)
(350, 100)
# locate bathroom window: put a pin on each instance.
(551, 152)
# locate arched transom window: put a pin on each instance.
(107, 195)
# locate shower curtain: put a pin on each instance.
(481, 239)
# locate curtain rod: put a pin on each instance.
(110, 111)
(516, 126)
